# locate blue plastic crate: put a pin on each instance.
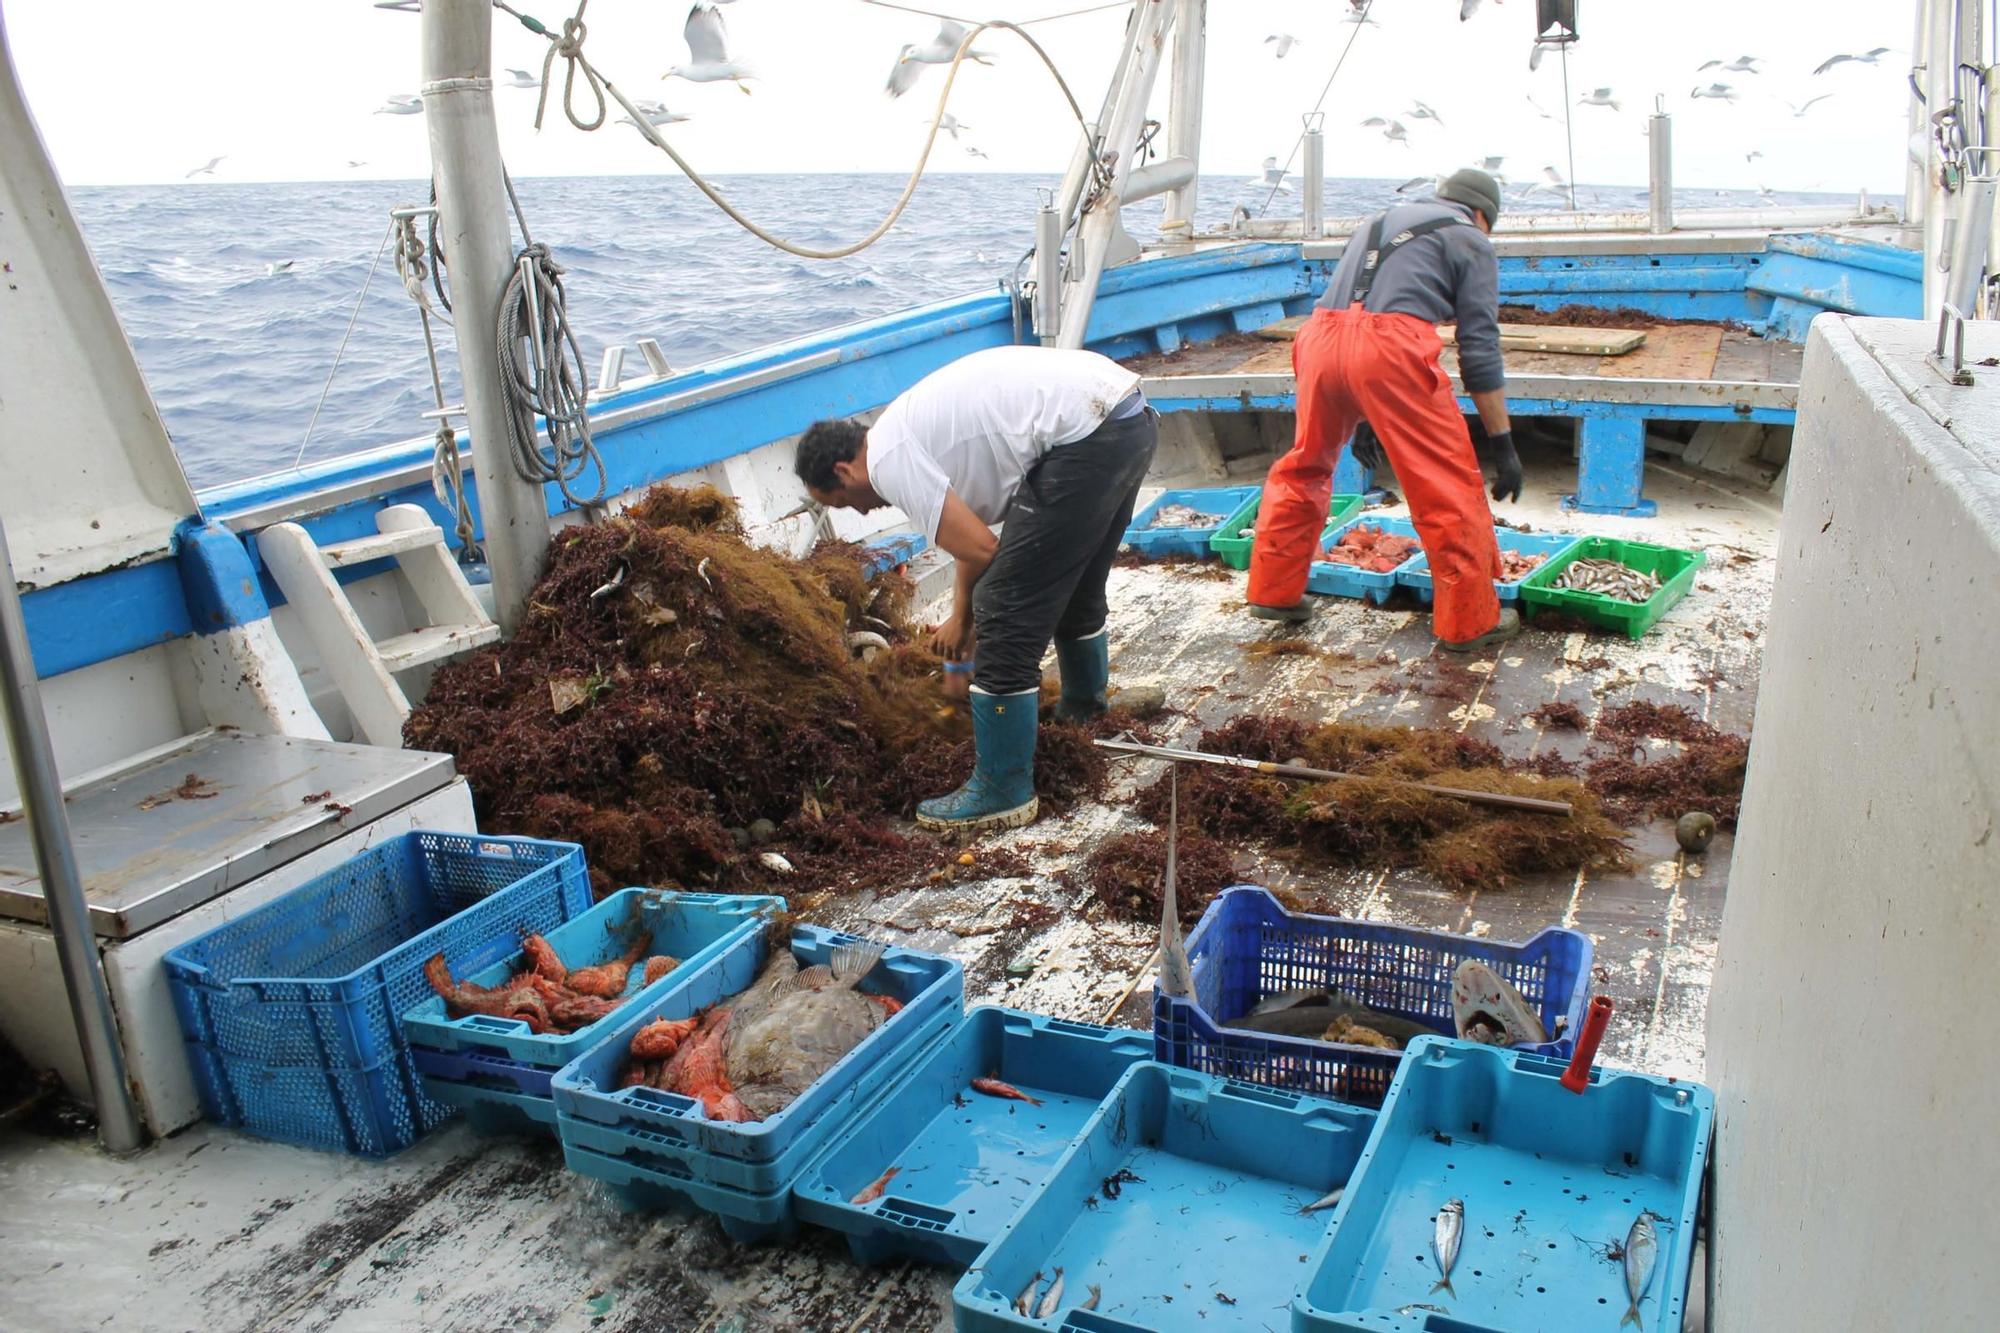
(965, 1161)
(1551, 1182)
(760, 1156)
(1223, 1171)
(1225, 502)
(310, 985)
(1247, 947)
(648, 1186)
(473, 1081)
(693, 927)
(1331, 580)
(1416, 575)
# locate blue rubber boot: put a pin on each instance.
(1085, 665)
(1001, 791)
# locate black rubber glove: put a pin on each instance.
(1498, 451)
(1368, 448)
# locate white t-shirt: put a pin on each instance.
(976, 426)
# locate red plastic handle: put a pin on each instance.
(1577, 1077)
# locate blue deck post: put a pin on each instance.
(1349, 477)
(1611, 470)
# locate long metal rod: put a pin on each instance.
(1184, 108)
(1530, 804)
(1660, 169)
(118, 1126)
(478, 251)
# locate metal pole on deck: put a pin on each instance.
(1969, 245)
(1660, 167)
(1184, 113)
(1916, 179)
(118, 1125)
(1048, 271)
(1313, 187)
(478, 252)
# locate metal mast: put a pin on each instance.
(478, 252)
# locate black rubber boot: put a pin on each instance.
(1509, 626)
(1298, 613)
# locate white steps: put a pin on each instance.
(363, 670)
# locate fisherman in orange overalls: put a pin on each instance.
(1368, 359)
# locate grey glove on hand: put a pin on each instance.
(1368, 448)
(1498, 451)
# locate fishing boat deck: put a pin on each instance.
(213, 1230)
(1705, 353)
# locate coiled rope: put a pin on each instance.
(534, 314)
(447, 463)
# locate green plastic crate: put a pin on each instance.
(1674, 567)
(1234, 551)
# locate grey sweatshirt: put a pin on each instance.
(1449, 275)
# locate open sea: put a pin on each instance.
(237, 296)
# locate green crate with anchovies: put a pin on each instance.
(1232, 541)
(1631, 601)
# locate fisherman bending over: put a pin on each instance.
(1368, 357)
(1053, 445)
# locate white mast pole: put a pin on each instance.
(479, 255)
(1184, 114)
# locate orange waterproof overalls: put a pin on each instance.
(1352, 366)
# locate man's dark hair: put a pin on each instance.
(824, 444)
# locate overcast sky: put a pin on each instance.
(140, 90)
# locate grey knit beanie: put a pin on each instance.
(1475, 189)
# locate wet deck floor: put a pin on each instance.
(214, 1231)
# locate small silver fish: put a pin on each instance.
(1642, 1247)
(773, 861)
(1327, 1202)
(1415, 1306)
(1051, 1299)
(1608, 577)
(1025, 1302)
(1183, 516)
(1444, 1243)
(1090, 1301)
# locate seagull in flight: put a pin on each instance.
(1865, 58)
(1274, 176)
(1551, 181)
(1466, 9)
(1423, 111)
(1545, 115)
(206, 170)
(1416, 182)
(976, 152)
(708, 50)
(656, 115)
(520, 78)
(353, 165)
(1599, 97)
(1536, 52)
(910, 61)
(951, 125)
(1285, 43)
(1490, 163)
(1799, 109)
(400, 104)
(1720, 91)
(1740, 65)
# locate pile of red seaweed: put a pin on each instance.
(671, 685)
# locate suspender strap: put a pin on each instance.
(1378, 253)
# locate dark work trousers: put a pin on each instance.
(1056, 546)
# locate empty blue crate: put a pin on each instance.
(965, 1160)
(1416, 575)
(1332, 580)
(315, 980)
(1223, 502)
(1551, 1182)
(674, 1134)
(1247, 948)
(480, 1052)
(1182, 1203)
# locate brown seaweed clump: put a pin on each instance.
(1127, 875)
(670, 682)
(1559, 716)
(1374, 819)
(1705, 773)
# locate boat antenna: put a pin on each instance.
(1318, 103)
(1569, 127)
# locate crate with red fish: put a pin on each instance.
(917, 1175)
(747, 1064)
(1233, 542)
(1326, 1005)
(1187, 1203)
(307, 989)
(1363, 557)
(511, 1025)
(1521, 554)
